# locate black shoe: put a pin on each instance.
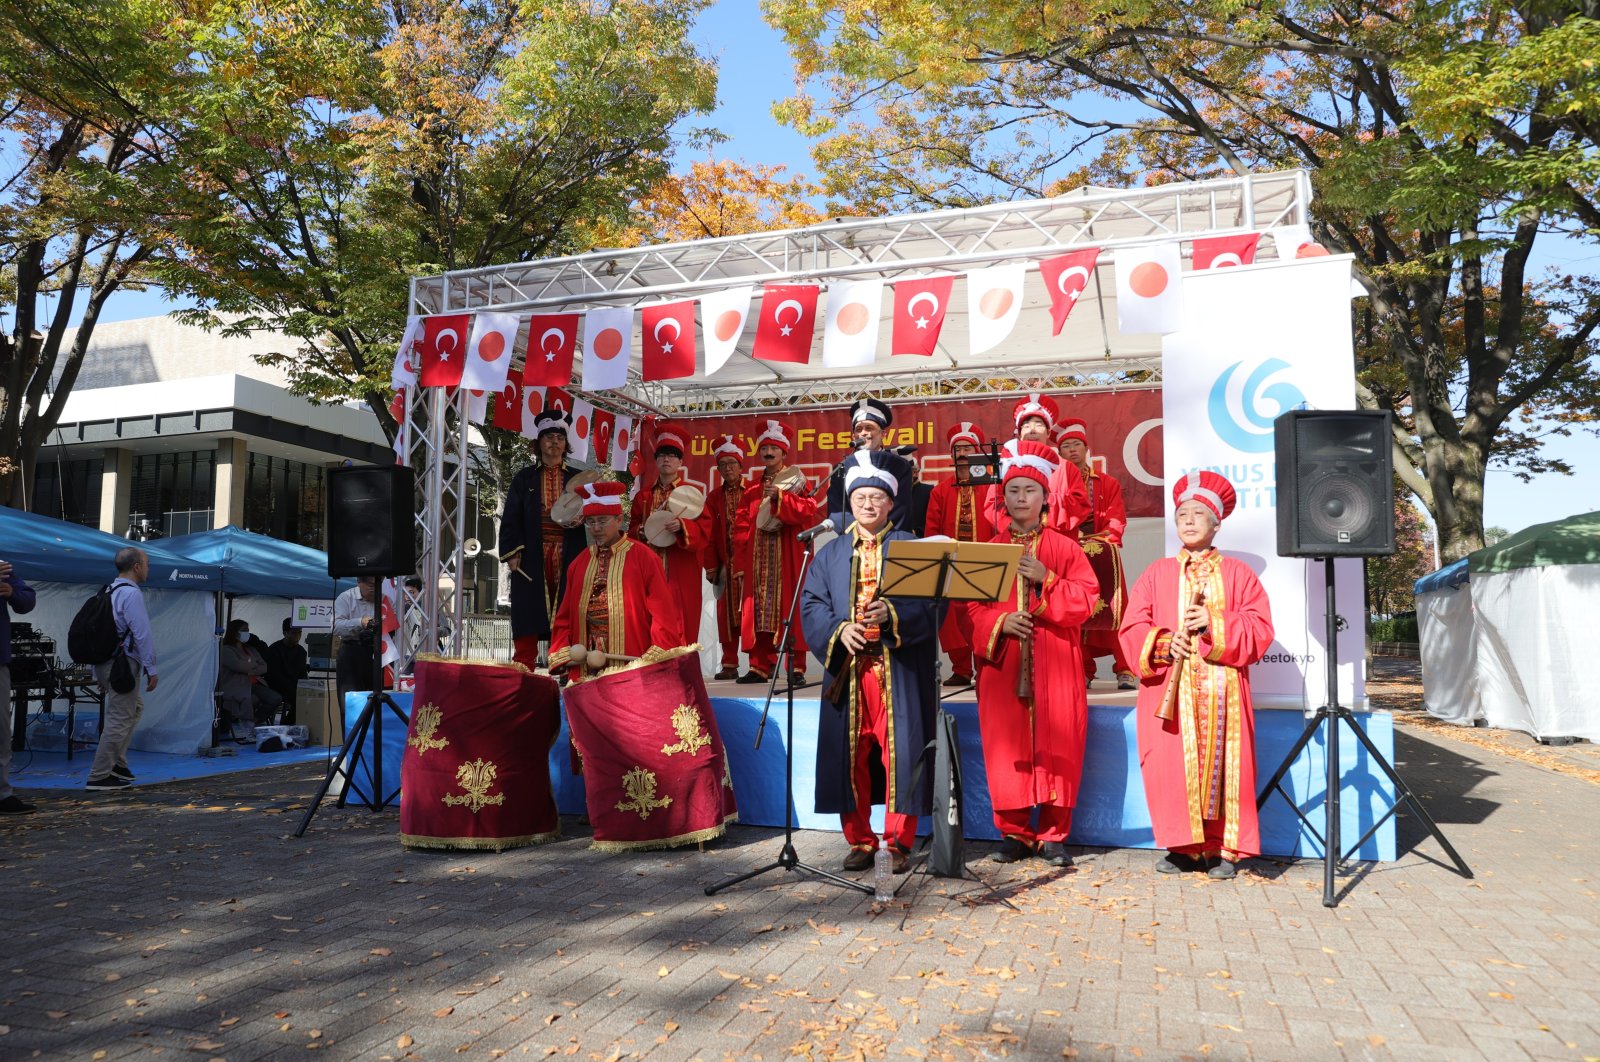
(108, 783)
(1055, 853)
(15, 805)
(727, 674)
(858, 860)
(899, 860)
(751, 678)
(1126, 681)
(121, 771)
(1223, 871)
(1178, 863)
(958, 680)
(797, 679)
(1012, 851)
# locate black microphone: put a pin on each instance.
(903, 451)
(812, 532)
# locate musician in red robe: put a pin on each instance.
(770, 556)
(722, 566)
(617, 599)
(1199, 768)
(956, 510)
(1101, 538)
(1035, 417)
(683, 560)
(1033, 745)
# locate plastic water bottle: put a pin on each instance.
(882, 875)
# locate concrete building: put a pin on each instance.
(181, 430)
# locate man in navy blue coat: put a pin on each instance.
(534, 547)
(879, 655)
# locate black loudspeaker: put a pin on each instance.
(1335, 483)
(369, 521)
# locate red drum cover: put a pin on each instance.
(654, 773)
(1106, 561)
(476, 770)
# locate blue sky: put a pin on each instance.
(755, 73)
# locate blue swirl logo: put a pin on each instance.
(1239, 413)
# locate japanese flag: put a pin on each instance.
(508, 407)
(667, 340)
(533, 402)
(1149, 291)
(494, 340)
(623, 441)
(552, 338)
(582, 433)
(787, 324)
(850, 336)
(919, 307)
(1288, 238)
(444, 349)
(607, 339)
(722, 317)
(404, 373)
(994, 299)
(477, 406)
(1065, 277)
(1219, 252)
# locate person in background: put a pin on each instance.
(287, 665)
(683, 561)
(239, 669)
(721, 566)
(358, 638)
(956, 511)
(122, 710)
(869, 426)
(15, 596)
(1035, 418)
(771, 559)
(1100, 535)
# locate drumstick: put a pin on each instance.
(595, 659)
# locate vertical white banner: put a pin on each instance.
(1258, 341)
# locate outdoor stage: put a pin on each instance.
(1111, 808)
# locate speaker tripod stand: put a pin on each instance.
(1329, 718)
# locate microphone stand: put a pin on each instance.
(788, 858)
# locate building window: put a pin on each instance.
(174, 492)
(284, 500)
(69, 490)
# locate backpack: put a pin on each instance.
(93, 637)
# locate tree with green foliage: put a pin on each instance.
(1446, 143)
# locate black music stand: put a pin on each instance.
(934, 570)
(370, 718)
(788, 857)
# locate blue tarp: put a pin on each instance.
(1446, 578)
(256, 564)
(54, 551)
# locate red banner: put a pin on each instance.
(1124, 438)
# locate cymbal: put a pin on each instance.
(790, 478)
(567, 510)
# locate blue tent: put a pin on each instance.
(1450, 576)
(256, 564)
(47, 550)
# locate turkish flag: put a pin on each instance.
(919, 307)
(404, 373)
(604, 423)
(508, 407)
(1065, 277)
(788, 321)
(1218, 252)
(668, 340)
(444, 349)
(552, 341)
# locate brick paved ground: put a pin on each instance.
(184, 920)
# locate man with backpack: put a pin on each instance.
(15, 596)
(122, 709)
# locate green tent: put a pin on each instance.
(1575, 540)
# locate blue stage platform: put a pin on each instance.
(1111, 808)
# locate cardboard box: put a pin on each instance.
(315, 710)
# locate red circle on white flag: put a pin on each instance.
(728, 324)
(851, 318)
(534, 404)
(582, 427)
(1147, 280)
(608, 344)
(1310, 250)
(995, 303)
(622, 439)
(492, 346)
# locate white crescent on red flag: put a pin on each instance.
(850, 331)
(489, 351)
(552, 341)
(1065, 277)
(444, 349)
(787, 324)
(604, 424)
(581, 435)
(994, 299)
(668, 340)
(508, 407)
(722, 317)
(404, 373)
(607, 342)
(1219, 252)
(919, 307)
(1149, 288)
